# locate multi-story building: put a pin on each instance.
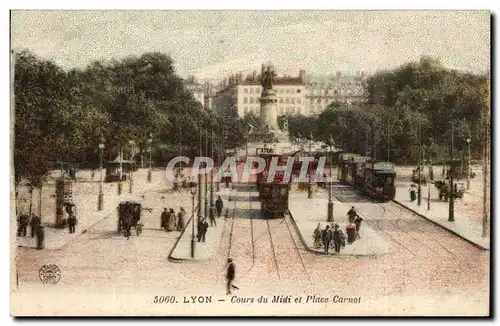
(323, 90)
(244, 93)
(307, 95)
(197, 89)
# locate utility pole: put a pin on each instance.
(419, 197)
(199, 175)
(486, 154)
(206, 176)
(451, 192)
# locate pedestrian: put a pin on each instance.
(35, 222)
(226, 215)
(413, 192)
(352, 214)
(317, 237)
(40, 237)
(202, 232)
(337, 238)
(226, 179)
(357, 222)
(219, 204)
(164, 219)
(351, 233)
(211, 214)
(171, 225)
(326, 237)
(230, 275)
(72, 223)
(21, 221)
(180, 220)
(92, 175)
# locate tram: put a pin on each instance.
(345, 160)
(273, 195)
(356, 171)
(379, 181)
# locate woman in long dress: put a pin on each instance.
(171, 221)
(180, 222)
(317, 237)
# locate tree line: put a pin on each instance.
(417, 104)
(62, 115)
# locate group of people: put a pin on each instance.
(24, 220)
(37, 228)
(333, 237)
(170, 221)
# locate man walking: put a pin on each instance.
(337, 238)
(202, 232)
(352, 214)
(35, 223)
(72, 223)
(230, 274)
(326, 237)
(211, 213)
(219, 205)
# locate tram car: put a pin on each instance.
(380, 180)
(273, 195)
(356, 171)
(345, 160)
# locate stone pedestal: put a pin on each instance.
(268, 110)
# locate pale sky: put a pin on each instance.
(212, 44)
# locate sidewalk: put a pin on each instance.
(307, 213)
(203, 250)
(85, 199)
(466, 227)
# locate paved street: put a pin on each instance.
(270, 259)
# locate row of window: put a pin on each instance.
(258, 90)
(330, 85)
(287, 100)
(283, 110)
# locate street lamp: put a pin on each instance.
(150, 141)
(468, 163)
(330, 199)
(309, 188)
(100, 197)
(131, 143)
(206, 176)
(212, 170)
(419, 198)
(193, 191)
(431, 177)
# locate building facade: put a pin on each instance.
(301, 94)
(324, 90)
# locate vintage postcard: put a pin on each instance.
(250, 163)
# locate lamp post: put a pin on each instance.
(193, 191)
(150, 141)
(100, 197)
(330, 199)
(120, 182)
(309, 188)
(206, 177)
(199, 175)
(212, 170)
(468, 163)
(419, 191)
(131, 180)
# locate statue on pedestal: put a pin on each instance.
(267, 78)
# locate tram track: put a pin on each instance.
(414, 237)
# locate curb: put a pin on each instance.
(173, 259)
(442, 226)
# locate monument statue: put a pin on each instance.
(267, 78)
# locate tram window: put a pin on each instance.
(388, 181)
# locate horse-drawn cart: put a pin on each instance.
(129, 216)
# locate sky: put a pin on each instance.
(214, 44)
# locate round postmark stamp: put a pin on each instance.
(49, 274)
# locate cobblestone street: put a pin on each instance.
(270, 259)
